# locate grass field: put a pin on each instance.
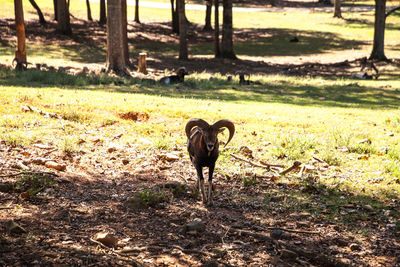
(301, 117)
(112, 135)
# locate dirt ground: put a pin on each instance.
(98, 193)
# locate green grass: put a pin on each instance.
(297, 129)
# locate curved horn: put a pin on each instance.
(228, 124)
(193, 123)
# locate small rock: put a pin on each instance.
(303, 224)
(40, 161)
(6, 187)
(280, 234)
(368, 207)
(125, 161)
(355, 247)
(340, 242)
(334, 250)
(195, 225)
(288, 254)
(111, 149)
(135, 203)
(246, 150)
(106, 239)
(210, 264)
(391, 225)
(277, 198)
(61, 69)
(171, 157)
(56, 166)
(14, 228)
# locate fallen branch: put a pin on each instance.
(294, 231)
(28, 173)
(314, 257)
(295, 165)
(301, 171)
(262, 165)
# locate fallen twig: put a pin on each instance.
(29, 173)
(314, 257)
(301, 171)
(261, 165)
(295, 165)
(294, 231)
(6, 208)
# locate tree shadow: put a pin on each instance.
(87, 44)
(60, 223)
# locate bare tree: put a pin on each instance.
(378, 48)
(89, 13)
(63, 22)
(183, 48)
(217, 51)
(337, 9)
(40, 14)
(116, 58)
(137, 11)
(227, 31)
(207, 24)
(20, 54)
(103, 18)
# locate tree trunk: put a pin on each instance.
(137, 11)
(55, 10)
(175, 16)
(40, 14)
(63, 25)
(337, 10)
(115, 44)
(20, 54)
(378, 49)
(103, 18)
(207, 25)
(217, 51)
(125, 31)
(183, 48)
(89, 13)
(227, 31)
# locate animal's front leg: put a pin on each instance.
(201, 182)
(210, 185)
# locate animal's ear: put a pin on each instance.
(220, 130)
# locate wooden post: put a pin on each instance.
(142, 63)
(20, 54)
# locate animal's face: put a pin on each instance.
(181, 72)
(210, 137)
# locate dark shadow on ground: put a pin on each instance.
(87, 44)
(347, 94)
(63, 220)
